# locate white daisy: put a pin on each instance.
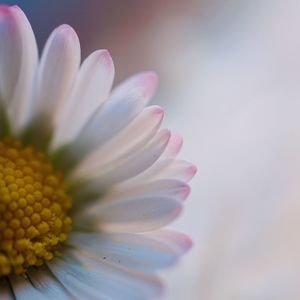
(87, 177)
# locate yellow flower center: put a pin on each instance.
(33, 208)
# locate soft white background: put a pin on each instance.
(237, 96)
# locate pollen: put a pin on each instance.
(34, 206)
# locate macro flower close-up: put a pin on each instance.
(88, 176)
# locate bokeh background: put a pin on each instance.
(230, 84)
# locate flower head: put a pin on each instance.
(87, 176)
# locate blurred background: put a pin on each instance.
(230, 84)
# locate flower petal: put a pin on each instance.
(24, 290)
(47, 284)
(174, 147)
(95, 279)
(138, 133)
(166, 169)
(130, 165)
(163, 187)
(164, 162)
(178, 170)
(179, 242)
(91, 89)
(57, 69)
(135, 214)
(147, 252)
(125, 103)
(18, 60)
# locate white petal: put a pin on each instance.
(173, 148)
(134, 251)
(47, 284)
(80, 283)
(166, 159)
(179, 170)
(18, 60)
(125, 103)
(130, 165)
(99, 280)
(134, 136)
(57, 69)
(5, 293)
(166, 169)
(24, 290)
(142, 85)
(91, 89)
(179, 242)
(135, 214)
(163, 187)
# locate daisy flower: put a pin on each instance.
(87, 176)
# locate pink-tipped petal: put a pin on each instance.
(18, 60)
(179, 242)
(142, 85)
(90, 91)
(174, 146)
(59, 64)
(124, 104)
(184, 193)
(167, 169)
(131, 165)
(178, 169)
(136, 214)
(163, 187)
(141, 130)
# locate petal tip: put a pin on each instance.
(65, 35)
(187, 243)
(176, 142)
(182, 242)
(185, 191)
(65, 28)
(190, 169)
(151, 78)
(193, 170)
(5, 10)
(167, 133)
(9, 13)
(105, 56)
(158, 111)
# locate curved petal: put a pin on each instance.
(125, 103)
(91, 89)
(57, 69)
(166, 169)
(173, 148)
(94, 279)
(179, 170)
(163, 187)
(165, 160)
(146, 253)
(179, 242)
(135, 214)
(18, 60)
(134, 136)
(24, 290)
(131, 165)
(48, 285)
